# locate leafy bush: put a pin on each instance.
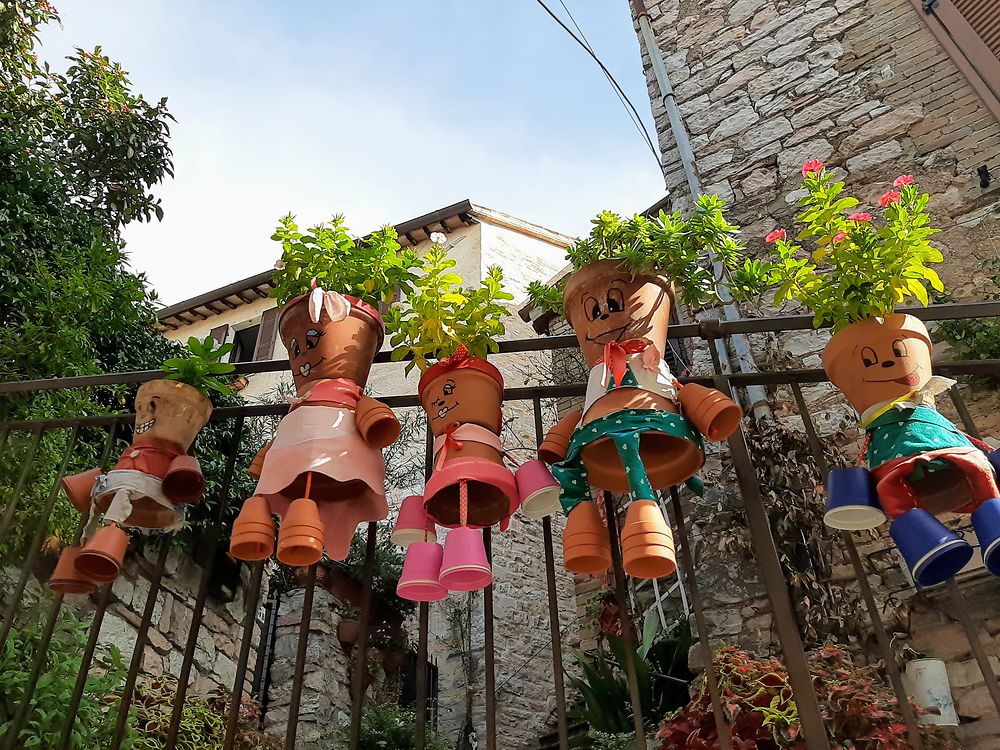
(661, 668)
(203, 720)
(860, 711)
(856, 270)
(974, 338)
(439, 315)
(373, 269)
(48, 713)
(670, 245)
(199, 366)
(385, 726)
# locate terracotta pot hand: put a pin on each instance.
(376, 423)
(556, 443)
(257, 465)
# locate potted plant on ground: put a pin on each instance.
(859, 709)
(448, 331)
(920, 464)
(155, 478)
(638, 430)
(323, 473)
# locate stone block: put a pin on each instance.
(817, 81)
(790, 160)
(974, 703)
(892, 124)
(962, 674)
(802, 26)
(736, 81)
(778, 78)
(945, 642)
(791, 51)
(736, 123)
(759, 180)
(764, 133)
(877, 157)
(743, 10)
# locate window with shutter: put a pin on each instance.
(969, 31)
(267, 334)
(984, 18)
(220, 334)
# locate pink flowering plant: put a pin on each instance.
(861, 264)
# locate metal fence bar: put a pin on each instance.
(140, 645)
(292, 727)
(251, 596)
(963, 412)
(85, 662)
(685, 572)
(36, 541)
(621, 594)
(769, 564)
(891, 668)
(490, 651)
(206, 576)
(977, 646)
(361, 647)
(51, 622)
(420, 737)
(36, 671)
(555, 633)
(29, 462)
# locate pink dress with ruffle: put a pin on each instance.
(348, 482)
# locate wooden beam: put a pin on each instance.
(227, 303)
(261, 294)
(199, 314)
(242, 296)
(213, 308)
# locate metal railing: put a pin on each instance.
(769, 564)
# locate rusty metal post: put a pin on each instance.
(252, 596)
(621, 594)
(977, 646)
(15, 496)
(686, 572)
(421, 703)
(891, 668)
(769, 565)
(490, 654)
(292, 728)
(361, 647)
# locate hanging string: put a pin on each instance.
(463, 502)
(309, 483)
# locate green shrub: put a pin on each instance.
(386, 726)
(94, 725)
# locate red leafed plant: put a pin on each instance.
(858, 707)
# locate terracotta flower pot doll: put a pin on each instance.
(323, 473)
(155, 478)
(449, 331)
(920, 464)
(639, 430)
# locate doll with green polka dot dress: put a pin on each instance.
(639, 430)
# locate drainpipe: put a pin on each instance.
(741, 347)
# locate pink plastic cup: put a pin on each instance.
(413, 523)
(419, 579)
(464, 566)
(538, 489)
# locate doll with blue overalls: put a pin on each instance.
(639, 430)
(920, 465)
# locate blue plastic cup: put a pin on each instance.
(932, 552)
(851, 501)
(986, 521)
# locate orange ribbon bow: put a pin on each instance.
(616, 354)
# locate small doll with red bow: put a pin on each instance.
(639, 430)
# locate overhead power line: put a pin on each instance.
(630, 109)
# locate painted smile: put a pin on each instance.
(613, 335)
(911, 379)
(144, 427)
(443, 411)
(305, 369)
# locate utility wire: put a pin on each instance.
(636, 121)
(623, 97)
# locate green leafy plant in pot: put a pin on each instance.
(323, 474)
(155, 478)
(449, 330)
(863, 266)
(638, 430)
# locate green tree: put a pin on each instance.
(80, 156)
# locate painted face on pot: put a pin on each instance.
(328, 349)
(604, 303)
(884, 363)
(443, 401)
(463, 396)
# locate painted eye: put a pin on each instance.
(448, 389)
(593, 308)
(312, 338)
(869, 357)
(899, 348)
(293, 347)
(616, 300)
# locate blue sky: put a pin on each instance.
(381, 111)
